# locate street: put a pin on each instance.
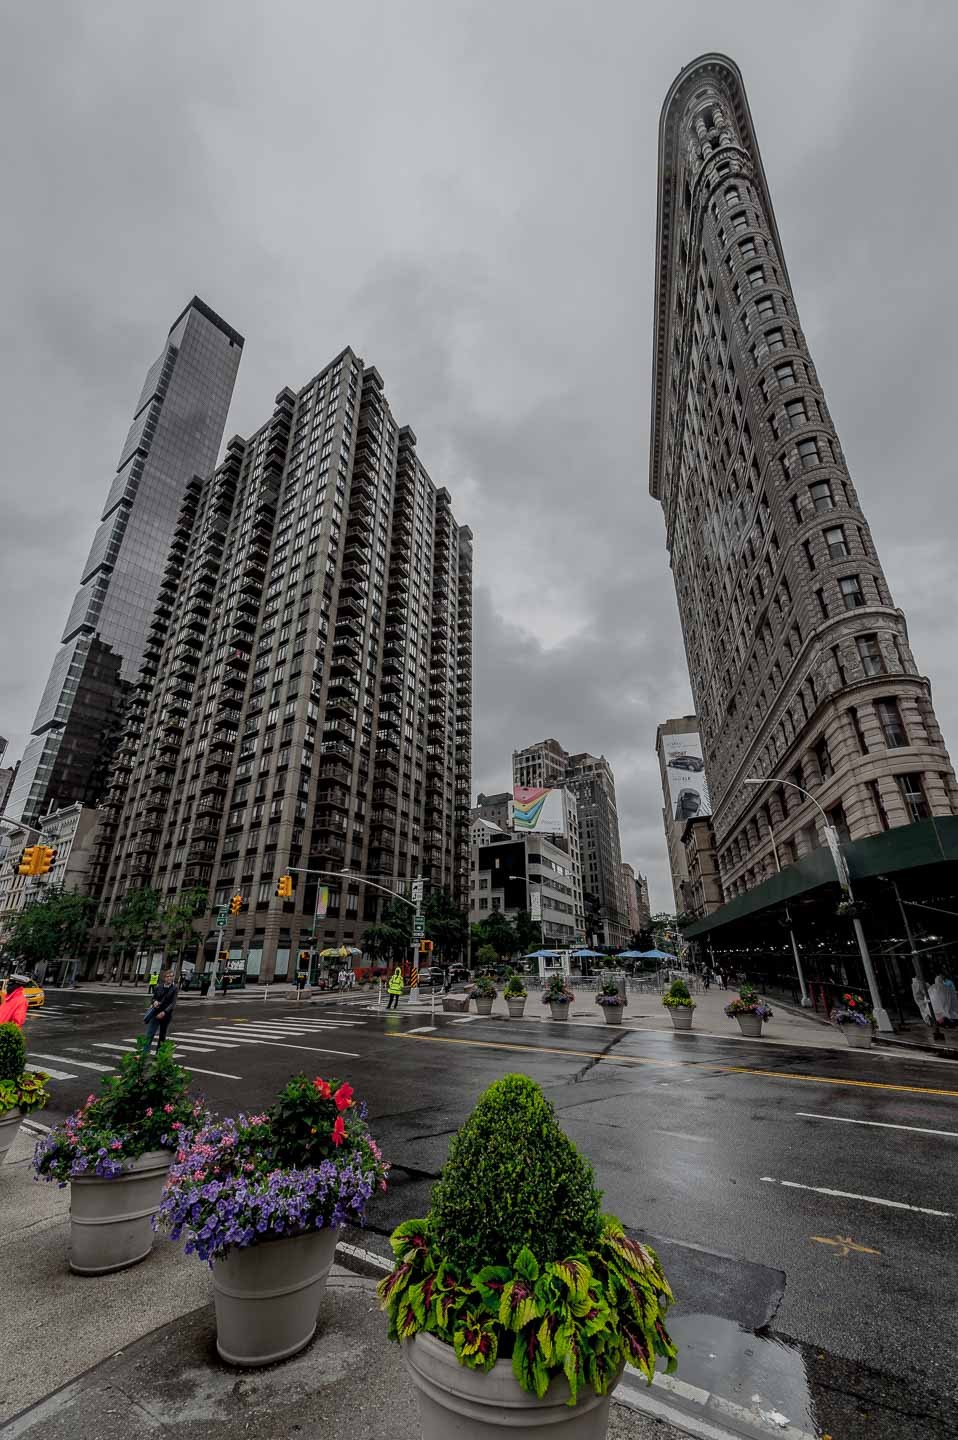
(806, 1190)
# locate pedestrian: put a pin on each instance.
(225, 982)
(160, 1013)
(706, 979)
(154, 981)
(395, 987)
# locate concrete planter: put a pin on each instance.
(559, 1011)
(483, 1004)
(267, 1296)
(472, 1405)
(455, 1004)
(516, 1007)
(750, 1025)
(859, 1037)
(110, 1219)
(681, 1017)
(612, 1013)
(10, 1121)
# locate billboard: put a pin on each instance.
(685, 769)
(535, 810)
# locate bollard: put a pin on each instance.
(266, 991)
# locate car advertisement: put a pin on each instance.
(685, 768)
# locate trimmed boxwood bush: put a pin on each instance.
(13, 1052)
(677, 997)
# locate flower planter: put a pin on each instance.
(267, 1296)
(477, 1405)
(516, 1007)
(750, 1025)
(10, 1122)
(681, 1017)
(559, 1011)
(483, 1004)
(859, 1037)
(110, 1219)
(612, 1013)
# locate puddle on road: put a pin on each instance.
(755, 1385)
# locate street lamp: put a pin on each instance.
(841, 869)
(806, 1002)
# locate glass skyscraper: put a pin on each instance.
(176, 433)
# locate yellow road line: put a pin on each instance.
(714, 1066)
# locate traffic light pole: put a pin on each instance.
(415, 904)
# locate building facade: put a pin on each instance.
(798, 657)
(175, 434)
(702, 891)
(305, 705)
(631, 896)
(645, 908)
(510, 870)
(589, 778)
(72, 833)
(495, 808)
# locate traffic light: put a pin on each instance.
(236, 904)
(425, 947)
(37, 860)
(285, 887)
(224, 956)
(304, 957)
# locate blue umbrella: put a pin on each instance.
(657, 955)
(542, 955)
(630, 955)
(590, 954)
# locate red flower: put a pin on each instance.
(323, 1087)
(339, 1131)
(343, 1097)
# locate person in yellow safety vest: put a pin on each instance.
(395, 988)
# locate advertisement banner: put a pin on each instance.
(322, 902)
(535, 810)
(685, 768)
(535, 904)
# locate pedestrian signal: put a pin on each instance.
(285, 887)
(224, 955)
(303, 956)
(236, 904)
(425, 947)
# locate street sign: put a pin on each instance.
(419, 927)
(221, 919)
(417, 889)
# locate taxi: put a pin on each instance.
(33, 993)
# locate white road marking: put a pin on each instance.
(124, 1049)
(680, 1135)
(880, 1124)
(53, 1074)
(285, 1045)
(187, 1046)
(67, 1060)
(421, 1029)
(849, 1195)
(220, 1074)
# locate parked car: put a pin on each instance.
(432, 975)
(456, 974)
(686, 762)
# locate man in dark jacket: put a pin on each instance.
(160, 1013)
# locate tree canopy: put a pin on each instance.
(52, 927)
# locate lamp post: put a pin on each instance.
(805, 1001)
(937, 1033)
(882, 1017)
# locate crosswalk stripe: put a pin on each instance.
(184, 1046)
(102, 1045)
(53, 1074)
(64, 1060)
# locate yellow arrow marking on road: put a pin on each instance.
(844, 1245)
(616, 1057)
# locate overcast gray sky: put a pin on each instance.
(465, 192)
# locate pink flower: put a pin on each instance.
(323, 1087)
(116, 1145)
(344, 1096)
(339, 1131)
(167, 1109)
(149, 1111)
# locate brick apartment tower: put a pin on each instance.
(798, 658)
(306, 698)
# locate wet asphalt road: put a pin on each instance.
(718, 1149)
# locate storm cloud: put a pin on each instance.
(466, 194)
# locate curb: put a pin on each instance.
(941, 1052)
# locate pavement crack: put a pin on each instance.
(583, 1071)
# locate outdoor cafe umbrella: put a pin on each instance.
(630, 955)
(340, 952)
(541, 955)
(656, 955)
(589, 955)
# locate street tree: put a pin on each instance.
(528, 932)
(176, 924)
(486, 958)
(134, 923)
(496, 930)
(447, 925)
(52, 927)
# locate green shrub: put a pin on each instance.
(515, 990)
(13, 1052)
(483, 988)
(677, 997)
(513, 1179)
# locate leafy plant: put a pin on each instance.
(852, 1010)
(483, 988)
(145, 1106)
(514, 989)
(308, 1164)
(516, 1260)
(609, 992)
(20, 1089)
(557, 991)
(13, 1052)
(747, 1002)
(677, 997)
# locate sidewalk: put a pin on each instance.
(133, 1353)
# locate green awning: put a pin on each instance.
(907, 847)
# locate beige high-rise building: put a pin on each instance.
(631, 896)
(798, 657)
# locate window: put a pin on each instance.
(796, 509)
(765, 306)
(892, 725)
(836, 818)
(859, 732)
(835, 543)
(853, 597)
(775, 340)
(739, 221)
(913, 794)
(869, 651)
(755, 276)
(797, 414)
(732, 196)
(821, 494)
(808, 452)
(822, 755)
(809, 557)
(785, 373)
(820, 597)
(879, 804)
(748, 251)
